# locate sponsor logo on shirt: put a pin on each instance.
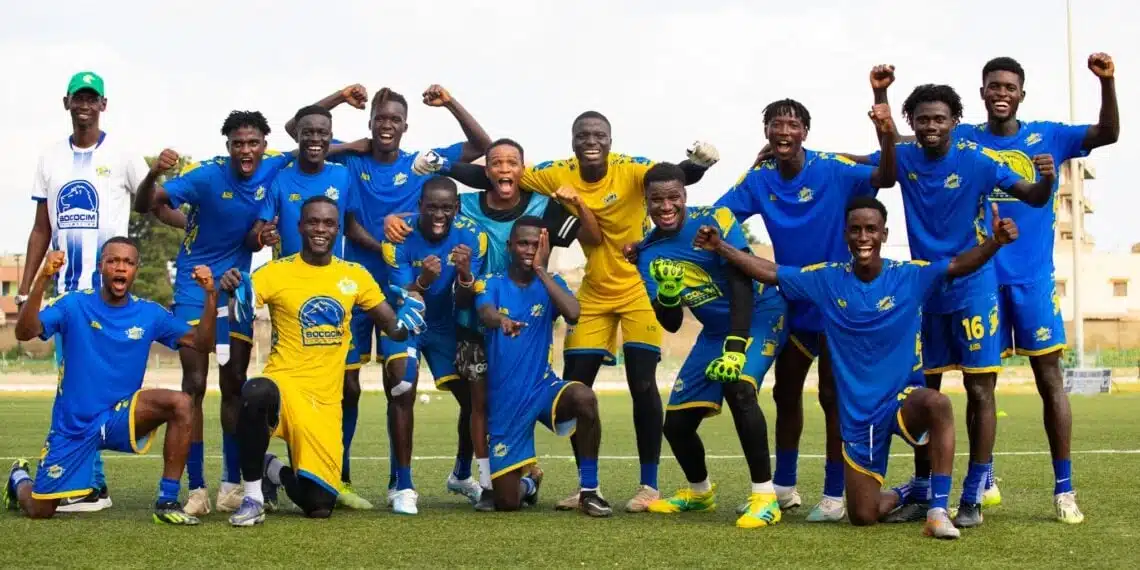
(77, 206)
(322, 322)
(135, 333)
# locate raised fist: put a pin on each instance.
(166, 160)
(882, 76)
(1101, 65)
(203, 276)
(436, 96)
(355, 95)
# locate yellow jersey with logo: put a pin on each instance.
(310, 307)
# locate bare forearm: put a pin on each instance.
(478, 141)
(1107, 129)
(384, 316)
(589, 231)
(357, 234)
(973, 259)
(170, 216)
(566, 304)
(38, 242)
(885, 175)
(28, 325)
(144, 195)
(490, 317)
(753, 267)
(207, 324)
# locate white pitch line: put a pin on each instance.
(634, 457)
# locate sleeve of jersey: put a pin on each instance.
(269, 205)
(929, 276)
(170, 328)
(484, 291)
(873, 158)
(452, 153)
(275, 159)
(395, 257)
(802, 283)
(53, 317)
(478, 252)
(1003, 176)
(262, 283)
(368, 294)
(740, 199)
(184, 188)
(40, 183)
(856, 177)
(545, 177)
(728, 227)
(1070, 140)
(560, 223)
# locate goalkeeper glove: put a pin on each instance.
(727, 366)
(410, 315)
(703, 154)
(670, 279)
(428, 162)
(243, 300)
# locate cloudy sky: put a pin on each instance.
(666, 72)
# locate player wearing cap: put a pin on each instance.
(82, 189)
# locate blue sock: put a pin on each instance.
(462, 468)
(786, 464)
(231, 459)
(196, 464)
(833, 479)
(588, 473)
(100, 477)
(168, 490)
(348, 429)
(528, 486)
(990, 476)
(940, 491)
(1063, 476)
(920, 490)
(974, 484)
(649, 474)
(404, 478)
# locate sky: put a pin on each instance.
(665, 72)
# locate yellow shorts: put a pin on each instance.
(597, 328)
(313, 431)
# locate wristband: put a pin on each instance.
(668, 302)
(736, 344)
(466, 285)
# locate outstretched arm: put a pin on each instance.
(882, 76)
(885, 174)
(356, 233)
(355, 95)
(478, 141)
(751, 266)
(1107, 129)
(1005, 232)
(701, 157)
(28, 325)
(384, 316)
(38, 241)
(1035, 194)
(150, 196)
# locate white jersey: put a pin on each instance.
(88, 193)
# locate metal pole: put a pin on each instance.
(1075, 175)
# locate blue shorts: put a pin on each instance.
(225, 330)
(966, 339)
(805, 324)
(510, 432)
(360, 349)
(67, 462)
(693, 390)
(1031, 323)
(868, 451)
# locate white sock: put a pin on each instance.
(226, 487)
(253, 490)
(765, 488)
(702, 487)
(838, 499)
(484, 471)
(19, 476)
(273, 471)
(585, 490)
(782, 491)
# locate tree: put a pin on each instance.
(748, 235)
(158, 246)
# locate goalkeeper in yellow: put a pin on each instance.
(743, 331)
(298, 395)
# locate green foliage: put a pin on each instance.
(158, 245)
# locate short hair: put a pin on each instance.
(504, 142)
(931, 93)
(591, 115)
(526, 222)
(239, 119)
(386, 94)
(664, 172)
(865, 203)
(118, 239)
(439, 183)
(318, 199)
(311, 110)
(1004, 64)
(787, 108)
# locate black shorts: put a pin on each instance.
(471, 357)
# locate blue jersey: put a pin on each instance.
(1031, 258)
(707, 290)
(405, 262)
(516, 365)
(223, 207)
(105, 351)
(291, 188)
(383, 189)
(872, 329)
(946, 212)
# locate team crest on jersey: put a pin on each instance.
(347, 286)
(536, 310)
(952, 182)
(806, 194)
(322, 322)
(501, 450)
(1043, 334)
(365, 176)
(769, 348)
(504, 311)
(610, 198)
(102, 172)
(841, 302)
(95, 325)
(1032, 139)
(77, 206)
(885, 304)
(135, 333)
(678, 385)
(294, 197)
(259, 194)
(399, 179)
(912, 176)
(54, 472)
(332, 193)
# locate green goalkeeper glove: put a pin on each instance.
(670, 278)
(727, 367)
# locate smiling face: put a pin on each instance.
(1002, 94)
(523, 246)
(314, 134)
(786, 134)
(320, 223)
(388, 125)
(438, 207)
(932, 123)
(245, 145)
(866, 232)
(85, 106)
(665, 201)
(591, 141)
(118, 265)
(504, 169)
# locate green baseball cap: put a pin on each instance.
(85, 80)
